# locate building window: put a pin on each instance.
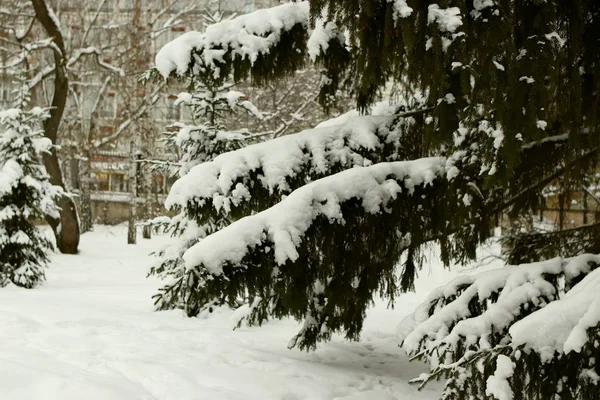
(172, 111)
(113, 182)
(5, 92)
(108, 106)
(102, 181)
(118, 183)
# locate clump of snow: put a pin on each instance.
(448, 19)
(10, 176)
(483, 4)
(449, 98)
(322, 34)
(497, 385)
(285, 223)
(541, 124)
(499, 66)
(527, 79)
(456, 64)
(554, 35)
(401, 9)
(452, 173)
(11, 113)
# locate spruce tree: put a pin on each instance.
(209, 101)
(25, 197)
(503, 94)
(196, 144)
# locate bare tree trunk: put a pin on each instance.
(147, 229)
(66, 229)
(85, 195)
(133, 181)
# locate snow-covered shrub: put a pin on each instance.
(26, 195)
(527, 331)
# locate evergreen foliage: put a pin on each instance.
(210, 100)
(25, 196)
(510, 106)
(535, 314)
(344, 247)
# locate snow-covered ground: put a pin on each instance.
(90, 332)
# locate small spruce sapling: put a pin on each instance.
(203, 140)
(26, 195)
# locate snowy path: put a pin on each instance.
(91, 333)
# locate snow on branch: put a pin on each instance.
(547, 310)
(561, 327)
(246, 36)
(248, 177)
(95, 52)
(285, 224)
(267, 43)
(346, 231)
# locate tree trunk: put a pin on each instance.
(66, 229)
(133, 182)
(147, 177)
(86, 197)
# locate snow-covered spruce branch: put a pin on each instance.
(242, 46)
(261, 31)
(343, 232)
(237, 182)
(373, 187)
(540, 312)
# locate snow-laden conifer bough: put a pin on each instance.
(525, 330)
